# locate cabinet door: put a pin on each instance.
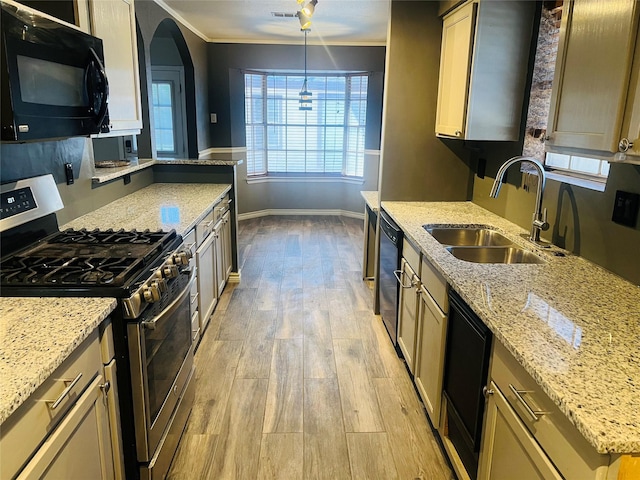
(597, 39)
(432, 335)
(508, 446)
(221, 279)
(226, 244)
(114, 22)
(408, 313)
(80, 447)
(207, 281)
(455, 61)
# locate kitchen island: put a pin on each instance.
(572, 325)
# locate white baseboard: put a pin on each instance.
(290, 211)
(213, 150)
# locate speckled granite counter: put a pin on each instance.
(572, 325)
(36, 336)
(160, 206)
(102, 175)
(371, 198)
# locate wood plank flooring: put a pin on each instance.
(296, 378)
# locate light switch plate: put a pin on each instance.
(625, 208)
(214, 117)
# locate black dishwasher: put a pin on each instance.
(390, 256)
(466, 371)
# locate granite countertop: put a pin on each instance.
(371, 198)
(102, 175)
(36, 336)
(574, 326)
(160, 206)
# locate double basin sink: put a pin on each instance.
(481, 245)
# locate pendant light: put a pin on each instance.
(305, 94)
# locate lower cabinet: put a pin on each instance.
(80, 447)
(225, 236)
(508, 445)
(408, 313)
(207, 283)
(525, 432)
(429, 371)
(63, 429)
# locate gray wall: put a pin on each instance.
(227, 63)
(416, 164)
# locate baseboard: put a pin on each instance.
(234, 277)
(212, 150)
(290, 211)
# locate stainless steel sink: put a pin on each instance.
(468, 236)
(506, 255)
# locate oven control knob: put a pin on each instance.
(182, 257)
(151, 293)
(170, 271)
(161, 285)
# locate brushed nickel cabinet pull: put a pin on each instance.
(56, 403)
(534, 414)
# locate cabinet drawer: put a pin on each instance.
(204, 228)
(411, 253)
(435, 284)
(221, 207)
(29, 425)
(195, 327)
(561, 441)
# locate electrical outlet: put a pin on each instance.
(214, 117)
(625, 208)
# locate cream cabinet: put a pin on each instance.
(432, 336)
(409, 278)
(206, 264)
(114, 22)
(63, 429)
(483, 70)
(509, 447)
(524, 431)
(591, 87)
(225, 237)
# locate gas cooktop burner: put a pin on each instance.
(108, 237)
(85, 258)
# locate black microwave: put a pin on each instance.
(53, 80)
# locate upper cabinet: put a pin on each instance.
(114, 22)
(483, 70)
(596, 78)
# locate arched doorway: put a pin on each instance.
(172, 94)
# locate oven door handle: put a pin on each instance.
(151, 324)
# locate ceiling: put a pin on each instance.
(335, 22)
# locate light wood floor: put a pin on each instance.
(296, 378)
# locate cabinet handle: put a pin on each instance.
(194, 297)
(535, 414)
(397, 274)
(457, 133)
(208, 224)
(105, 387)
(56, 403)
(625, 145)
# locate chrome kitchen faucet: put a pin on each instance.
(539, 221)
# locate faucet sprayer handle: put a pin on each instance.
(542, 223)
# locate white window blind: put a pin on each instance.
(282, 139)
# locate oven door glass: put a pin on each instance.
(166, 347)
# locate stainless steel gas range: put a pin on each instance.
(149, 274)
